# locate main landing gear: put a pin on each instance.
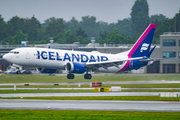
(70, 76)
(87, 76)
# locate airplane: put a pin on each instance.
(86, 62)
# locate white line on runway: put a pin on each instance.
(87, 88)
(82, 94)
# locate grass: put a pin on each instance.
(86, 115)
(160, 85)
(129, 98)
(75, 91)
(80, 78)
(96, 78)
(44, 91)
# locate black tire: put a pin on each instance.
(87, 76)
(70, 76)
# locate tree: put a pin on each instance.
(124, 26)
(70, 38)
(46, 22)
(90, 26)
(32, 27)
(177, 22)
(72, 25)
(81, 32)
(103, 35)
(2, 29)
(115, 38)
(14, 24)
(160, 18)
(83, 40)
(55, 27)
(139, 16)
(16, 39)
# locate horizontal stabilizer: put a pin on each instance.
(147, 60)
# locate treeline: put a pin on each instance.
(125, 31)
(30, 29)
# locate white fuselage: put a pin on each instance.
(57, 59)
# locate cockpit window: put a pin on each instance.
(14, 52)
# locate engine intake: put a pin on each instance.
(73, 67)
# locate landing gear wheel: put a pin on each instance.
(87, 76)
(70, 76)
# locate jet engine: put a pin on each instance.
(73, 67)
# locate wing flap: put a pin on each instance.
(106, 64)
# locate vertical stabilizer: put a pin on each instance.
(143, 44)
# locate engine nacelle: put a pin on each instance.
(73, 67)
(46, 70)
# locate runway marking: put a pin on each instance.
(82, 94)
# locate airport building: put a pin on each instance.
(170, 49)
(167, 53)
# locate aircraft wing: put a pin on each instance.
(106, 64)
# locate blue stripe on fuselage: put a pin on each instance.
(70, 57)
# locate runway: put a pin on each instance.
(87, 88)
(81, 94)
(91, 105)
(76, 83)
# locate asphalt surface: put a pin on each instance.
(91, 105)
(87, 88)
(81, 94)
(76, 83)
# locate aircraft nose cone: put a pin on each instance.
(5, 57)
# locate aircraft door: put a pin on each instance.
(27, 54)
(27, 57)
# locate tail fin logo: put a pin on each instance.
(144, 47)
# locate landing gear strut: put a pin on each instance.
(70, 76)
(87, 76)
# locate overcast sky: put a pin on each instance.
(104, 10)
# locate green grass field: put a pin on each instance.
(89, 114)
(129, 98)
(166, 85)
(80, 78)
(98, 78)
(85, 115)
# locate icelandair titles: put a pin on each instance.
(69, 57)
